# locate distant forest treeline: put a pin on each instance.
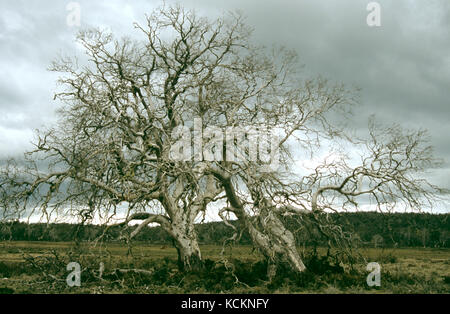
(364, 228)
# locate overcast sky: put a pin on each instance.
(402, 67)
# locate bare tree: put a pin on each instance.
(122, 118)
(113, 143)
(267, 92)
(387, 173)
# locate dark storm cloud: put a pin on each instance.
(402, 67)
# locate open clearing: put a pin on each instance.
(39, 267)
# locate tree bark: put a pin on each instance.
(182, 224)
(275, 242)
(186, 243)
(270, 236)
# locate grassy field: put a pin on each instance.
(40, 267)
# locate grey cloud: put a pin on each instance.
(403, 67)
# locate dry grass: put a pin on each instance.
(406, 270)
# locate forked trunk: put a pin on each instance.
(277, 244)
(274, 241)
(268, 233)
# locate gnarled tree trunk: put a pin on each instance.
(274, 241)
(268, 233)
(186, 243)
(181, 224)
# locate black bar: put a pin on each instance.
(222, 303)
